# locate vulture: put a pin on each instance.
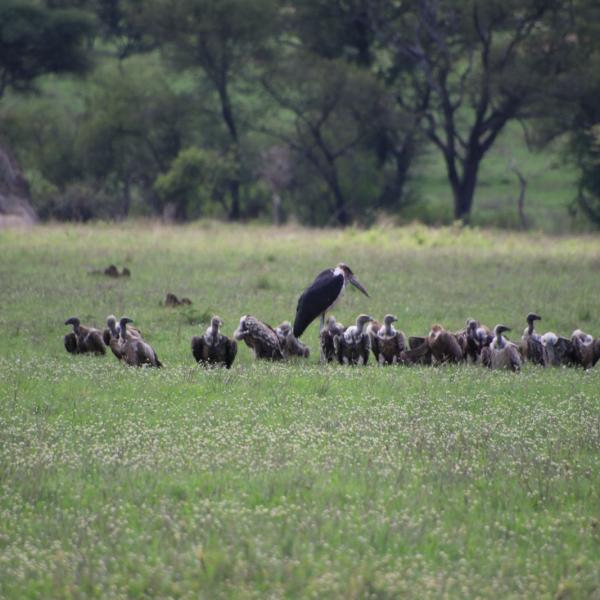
(214, 348)
(586, 349)
(133, 350)
(290, 344)
(113, 329)
(322, 295)
(328, 333)
(531, 343)
(83, 339)
(443, 345)
(260, 337)
(418, 351)
(386, 342)
(502, 354)
(353, 346)
(472, 339)
(559, 350)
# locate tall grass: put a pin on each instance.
(296, 479)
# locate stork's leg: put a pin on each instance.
(322, 324)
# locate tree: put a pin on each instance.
(348, 30)
(117, 26)
(334, 109)
(467, 68)
(196, 178)
(222, 39)
(35, 40)
(133, 126)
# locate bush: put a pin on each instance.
(79, 202)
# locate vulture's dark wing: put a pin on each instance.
(94, 342)
(316, 299)
(231, 351)
(198, 348)
(416, 341)
(70, 342)
(536, 352)
(566, 352)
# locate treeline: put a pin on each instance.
(316, 109)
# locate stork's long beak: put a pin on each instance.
(357, 284)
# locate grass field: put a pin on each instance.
(293, 480)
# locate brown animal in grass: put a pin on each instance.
(134, 351)
(331, 329)
(83, 339)
(214, 348)
(260, 337)
(290, 344)
(387, 343)
(501, 353)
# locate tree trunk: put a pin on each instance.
(234, 182)
(391, 197)
(521, 199)
(463, 189)
(277, 218)
(234, 209)
(126, 199)
(341, 212)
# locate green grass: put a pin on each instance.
(551, 187)
(293, 480)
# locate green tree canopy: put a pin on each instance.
(35, 40)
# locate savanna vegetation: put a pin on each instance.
(293, 479)
(315, 111)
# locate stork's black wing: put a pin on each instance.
(316, 299)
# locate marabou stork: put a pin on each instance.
(322, 294)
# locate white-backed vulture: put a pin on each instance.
(472, 339)
(135, 352)
(443, 345)
(586, 349)
(531, 347)
(260, 337)
(290, 344)
(559, 350)
(83, 339)
(502, 354)
(331, 329)
(353, 346)
(113, 329)
(214, 348)
(387, 343)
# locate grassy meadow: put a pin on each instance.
(293, 480)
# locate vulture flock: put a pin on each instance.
(475, 343)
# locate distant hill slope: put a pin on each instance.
(15, 205)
